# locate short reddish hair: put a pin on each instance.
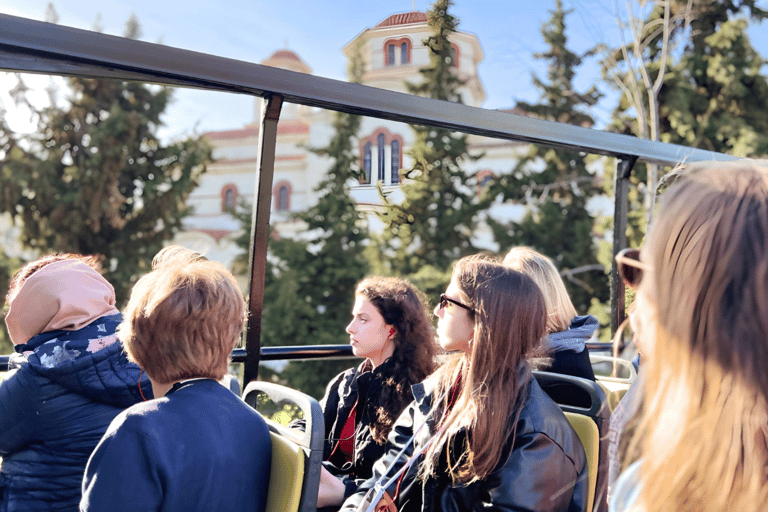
(183, 319)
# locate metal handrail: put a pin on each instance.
(39, 47)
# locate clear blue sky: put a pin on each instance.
(509, 32)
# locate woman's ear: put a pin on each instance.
(391, 333)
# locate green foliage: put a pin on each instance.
(95, 179)
(310, 282)
(435, 221)
(713, 89)
(555, 184)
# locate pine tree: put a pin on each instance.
(555, 184)
(95, 179)
(435, 222)
(310, 282)
(713, 92)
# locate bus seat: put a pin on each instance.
(285, 479)
(582, 398)
(296, 456)
(590, 440)
(616, 377)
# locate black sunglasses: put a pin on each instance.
(444, 300)
(630, 267)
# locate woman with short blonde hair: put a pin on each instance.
(567, 333)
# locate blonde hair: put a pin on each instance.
(704, 437)
(183, 318)
(492, 380)
(560, 309)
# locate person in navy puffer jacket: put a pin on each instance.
(68, 380)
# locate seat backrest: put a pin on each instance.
(615, 387)
(296, 456)
(286, 475)
(582, 398)
(587, 431)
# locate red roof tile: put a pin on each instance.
(403, 18)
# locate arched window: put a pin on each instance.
(282, 195)
(455, 55)
(380, 142)
(366, 179)
(395, 161)
(283, 198)
(388, 148)
(390, 49)
(228, 197)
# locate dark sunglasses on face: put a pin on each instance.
(444, 300)
(631, 269)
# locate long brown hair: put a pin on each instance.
(510, 323)
(704, 438)
(403, 307)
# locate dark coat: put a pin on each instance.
(354, 386)
(545, 471)
(199, 448)
(568, 350)
(60, 395)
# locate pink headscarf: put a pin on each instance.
(66, 294)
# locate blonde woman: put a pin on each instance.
(567, 333)
(481, 434)
(702, 307)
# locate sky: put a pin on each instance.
(317, 30)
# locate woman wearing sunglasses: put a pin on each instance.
(481, 434)
(390, 328)
(702, 308)
(567, 333)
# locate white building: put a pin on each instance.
(393, 52)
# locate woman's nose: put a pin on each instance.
(438, 311)
(350, 326)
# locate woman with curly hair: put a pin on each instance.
(390, 328)
(481, 434)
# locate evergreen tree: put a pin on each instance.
(714, 93)
(95, 179)
(555, 184)
(435, 222)
(310, 282)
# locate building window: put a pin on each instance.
(366, 179)
(388, 155)
(380, 142)
(228, 197)
(282, 194)
(390, 49)
(455, 55)
(395, 165)
(484, 178)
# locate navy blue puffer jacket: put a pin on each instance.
(62, 392)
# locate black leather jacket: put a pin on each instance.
(546, 470)
(362, 387)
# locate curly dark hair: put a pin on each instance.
(403, 307)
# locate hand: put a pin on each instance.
(331, 491)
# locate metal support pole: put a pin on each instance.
(270, 114)
(620, 212)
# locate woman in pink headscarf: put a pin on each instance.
(69, 379)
